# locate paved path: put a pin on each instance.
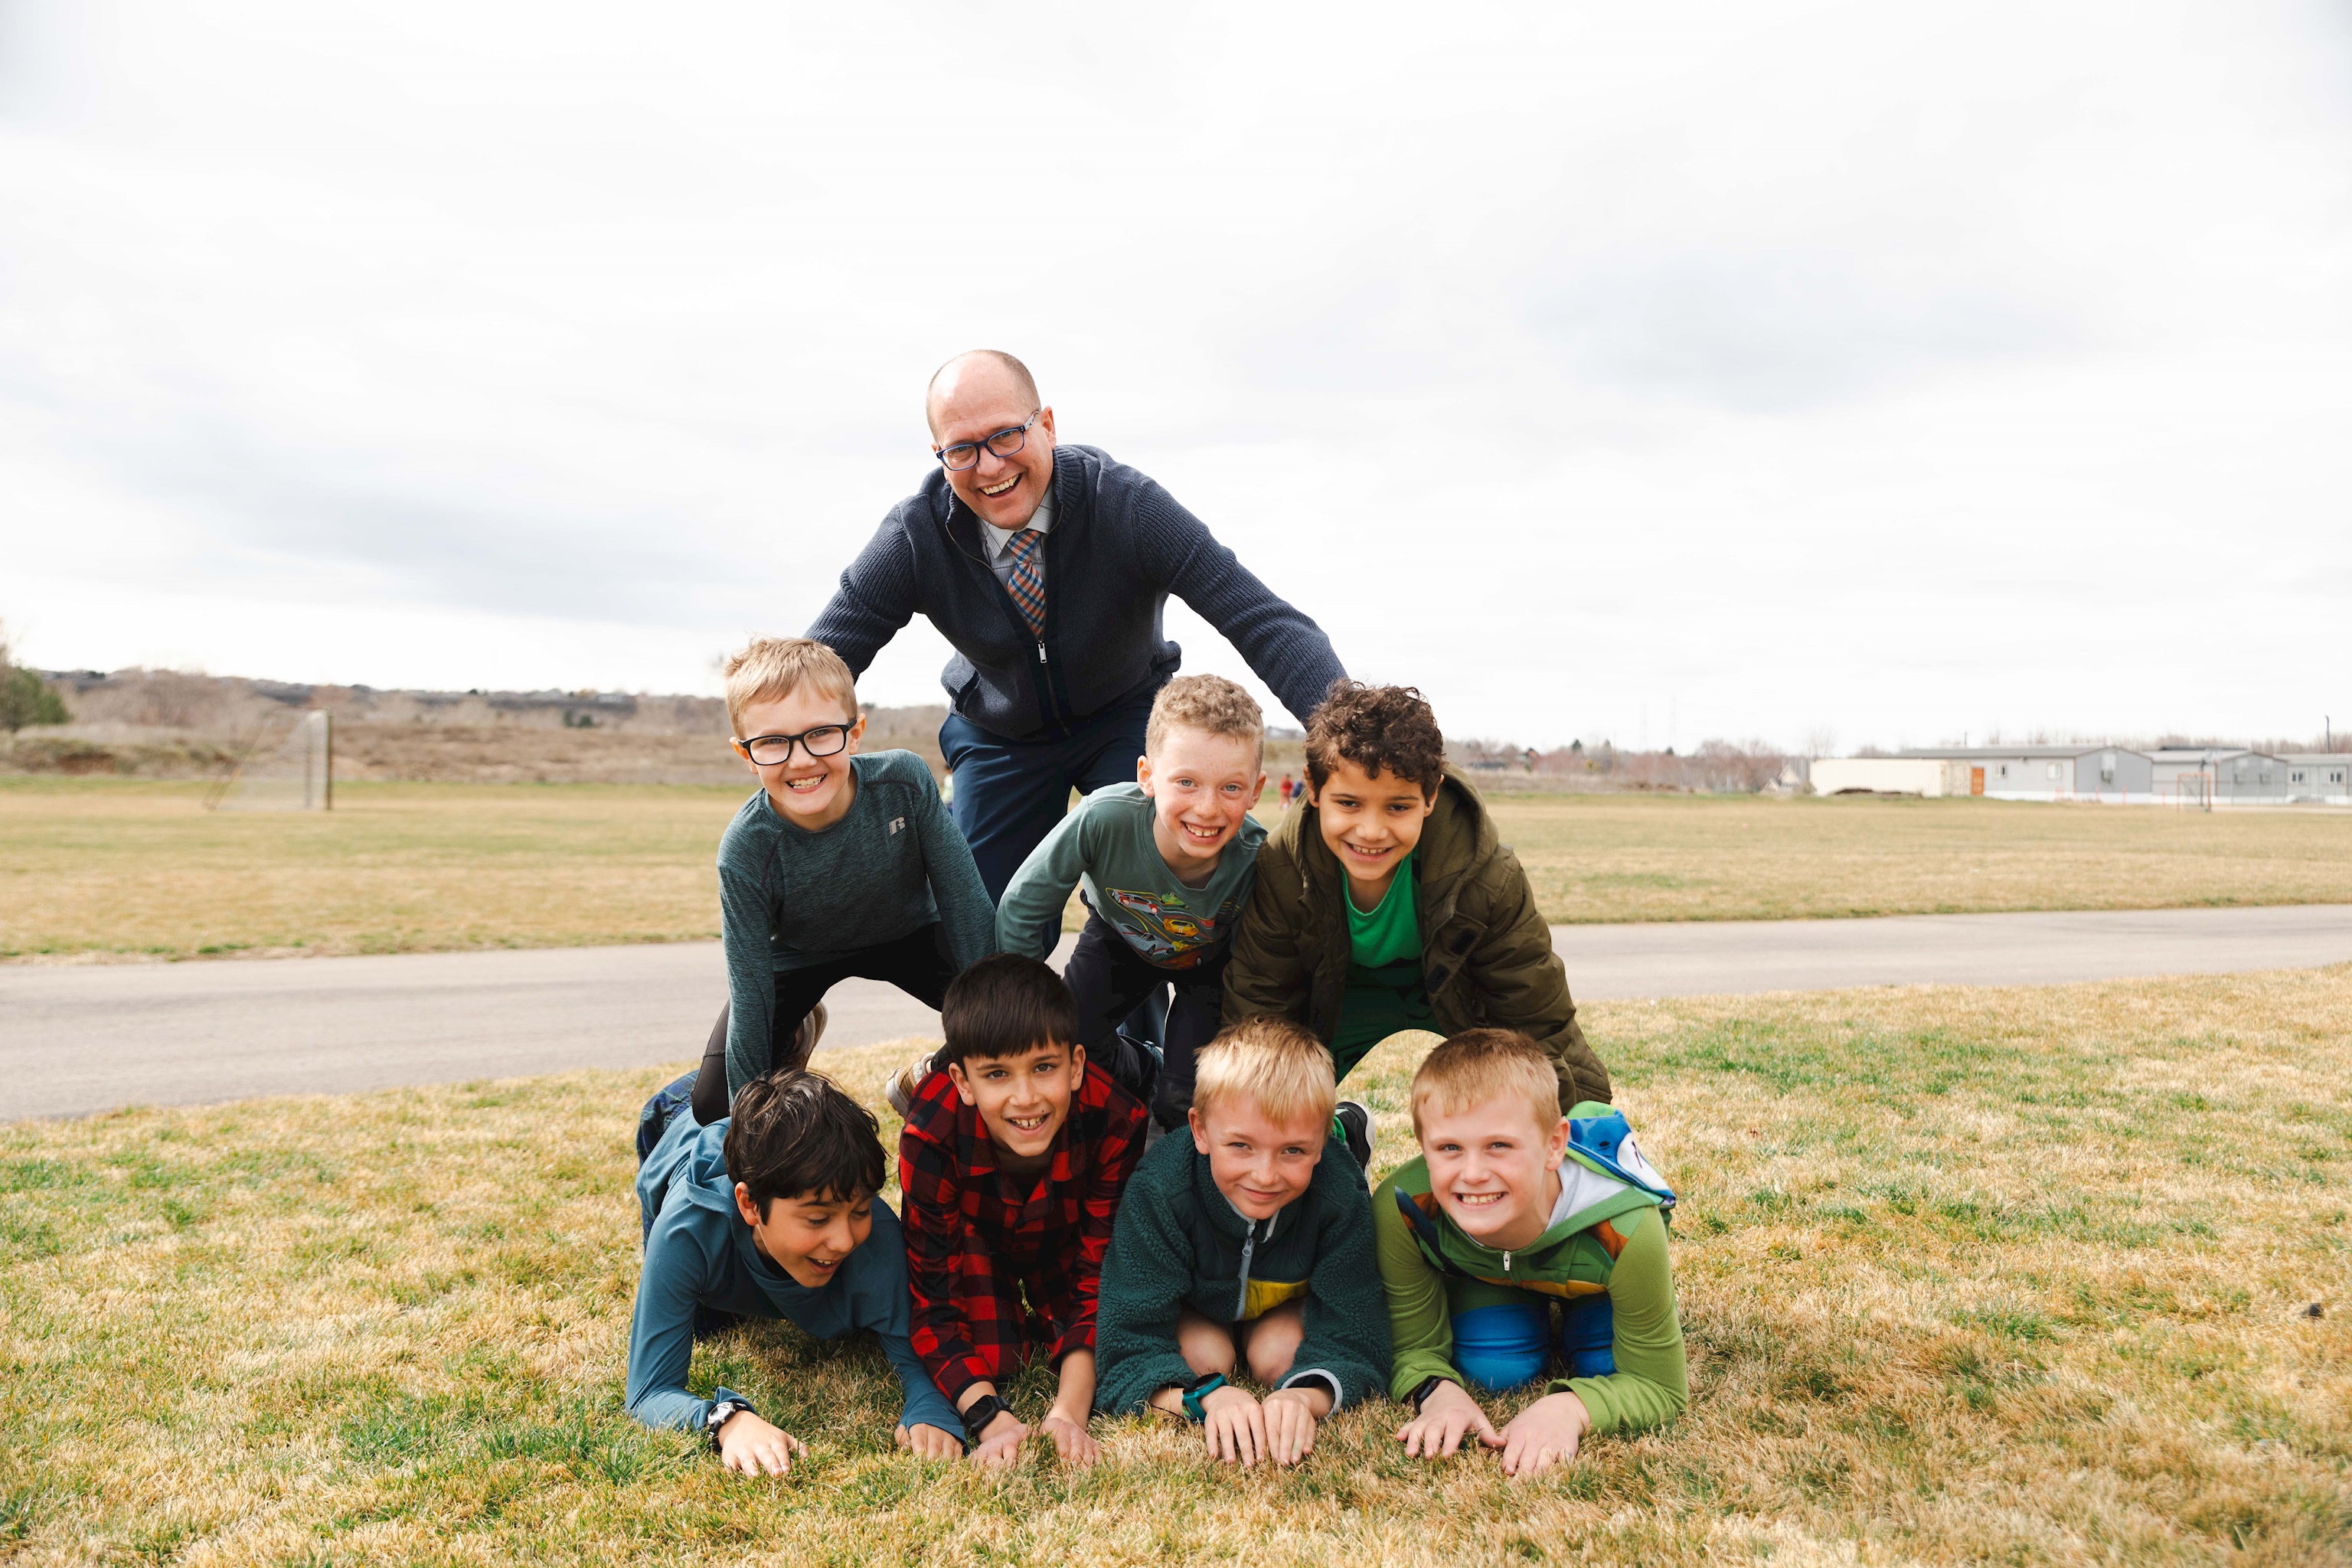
(75, 1039)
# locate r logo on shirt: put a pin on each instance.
(896, 823)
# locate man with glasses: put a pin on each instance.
(1047, 568)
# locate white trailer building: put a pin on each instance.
(2113, 775)
(2220, 775)
(2323, 777)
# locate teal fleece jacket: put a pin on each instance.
(1180, 1243)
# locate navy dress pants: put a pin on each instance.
(1010, 793)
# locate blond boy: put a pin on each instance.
(1512, 1209)
(842, 864)
(1240, 1249)
(1165, 865)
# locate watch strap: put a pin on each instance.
(1200, 1389)
(1422, 1390)
(979, 1413)
(721, 1412)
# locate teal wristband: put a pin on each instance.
(1199, 1391)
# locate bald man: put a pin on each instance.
(1047, 567)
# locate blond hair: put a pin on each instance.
(1479, 1065)
(1279, 1065)
(1208, 703)
(770, 667)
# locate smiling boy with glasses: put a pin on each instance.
(843, 864)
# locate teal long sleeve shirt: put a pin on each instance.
(789, 897)
(699, 1253)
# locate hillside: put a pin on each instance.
(169, 724)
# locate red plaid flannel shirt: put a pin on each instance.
(977, 1234)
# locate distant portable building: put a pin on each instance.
(2322, 776)
(2224, 775)
(2108, 775)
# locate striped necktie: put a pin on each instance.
(1027, 583)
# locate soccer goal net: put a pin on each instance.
(290, 766)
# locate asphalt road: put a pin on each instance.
(79, 1039)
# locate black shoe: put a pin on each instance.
(1138, 1066)
(1355, 1126)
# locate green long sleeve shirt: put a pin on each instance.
(1652, 1383)
(1105, 844)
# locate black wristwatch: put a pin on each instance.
(1423, 1389)
(722, 1412)
(980, 1412)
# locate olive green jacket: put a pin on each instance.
(1485, 951)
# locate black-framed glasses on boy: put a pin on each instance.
(824, 741)
(1004, 443)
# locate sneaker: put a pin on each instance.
(900, 1092)
(812, 1030)
(1354, 1125)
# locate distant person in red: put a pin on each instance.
(1287, 786)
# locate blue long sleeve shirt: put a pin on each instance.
(699, 1253)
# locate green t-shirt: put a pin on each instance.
(1385, 985)
(1389, 932)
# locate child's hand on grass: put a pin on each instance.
(1543, 1435)
(931, 1442)
(1448, 1416)
(1233, 1426)
(1072, 1441)
(1290, 1418)
(751, 1447)
(999, 1442)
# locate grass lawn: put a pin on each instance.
(1967, 1275)
(136, 868)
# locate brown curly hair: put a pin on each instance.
(1380, 729)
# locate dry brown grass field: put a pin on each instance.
(1968, 1276)
(131, 868)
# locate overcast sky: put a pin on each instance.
(1654, 373)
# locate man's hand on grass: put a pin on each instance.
(1072, 1441)
(931, 1442)
(1447, 1417)
(1290, 1418)
(1543, 1435)
(999, 1442)
(750, 1447)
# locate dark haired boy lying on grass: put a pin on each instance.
(770, 1214)
(1014, 1153)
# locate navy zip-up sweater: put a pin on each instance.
(1120, 546)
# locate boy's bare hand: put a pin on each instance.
(1447, 1417)
(1290, 1418)
(1000, 1443)
(1233, 1426)
(1543, 1435)
(931, 1442)
(749, 1447)
(1072, 1441)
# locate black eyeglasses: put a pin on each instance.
(824, 741)
(1004, 443)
